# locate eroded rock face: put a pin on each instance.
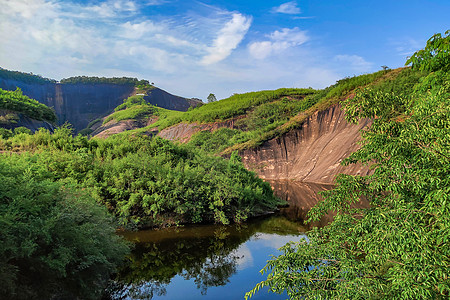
(312, 153)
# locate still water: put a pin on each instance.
(213, 261)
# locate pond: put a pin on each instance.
(213, 261)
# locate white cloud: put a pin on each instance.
(112, 8)
(290, 8)
(278, 41)
(354, 62)
(138, 30)
(227, 39)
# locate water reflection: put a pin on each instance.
(301, 197)
(212, 261)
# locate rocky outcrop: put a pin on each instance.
(163, 99)
(79, 104)
(312, 153)
(115, 127)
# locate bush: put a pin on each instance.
(55, 242)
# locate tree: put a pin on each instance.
(55, 243)
(435, 56)
(212, 98)
(399, 248)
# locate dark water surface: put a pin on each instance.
(213, 261)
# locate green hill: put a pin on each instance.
(260, 116)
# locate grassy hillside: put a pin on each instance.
(17, 102)
(260, 116)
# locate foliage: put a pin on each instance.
(150, 181)
(104, 80)
(435, 56)
(399, 247)
(215, 142)
(8, 118)
(29, 78)
(54, 242)
(343, 86)
(130, 102)
(133, 113)
(132, 108)
(402, 85)
(16, 101)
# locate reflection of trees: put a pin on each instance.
(144, 290)
(208, 260)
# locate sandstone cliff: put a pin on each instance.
(312, 153)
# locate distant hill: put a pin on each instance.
(80, 100)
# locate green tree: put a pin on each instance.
(435, 56)
(55, 243)
(399, 248)
(211, 98)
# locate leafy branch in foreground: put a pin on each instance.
(399, 248)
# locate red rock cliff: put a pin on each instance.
(311, 153)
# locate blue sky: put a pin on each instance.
(193, 48)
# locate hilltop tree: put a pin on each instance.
(211, 98)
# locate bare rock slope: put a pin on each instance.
(312, 153)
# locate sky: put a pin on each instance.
(193, 48)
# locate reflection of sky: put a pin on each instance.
(275, 241)
(244, 257)
(252, 257)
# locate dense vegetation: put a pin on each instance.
(399, 247)
(55, 241)
(29, 78)
(148, 181)
(17, 102)
(104, 80)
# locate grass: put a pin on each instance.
(135, 112)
